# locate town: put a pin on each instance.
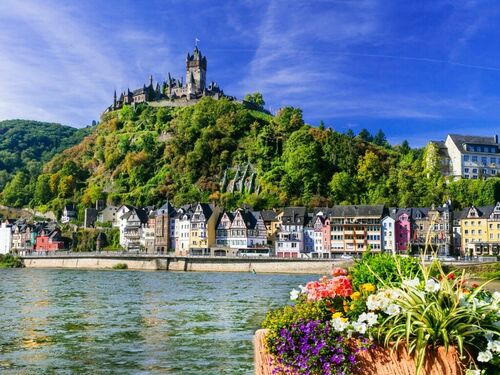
(291, 232)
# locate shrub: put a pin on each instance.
(120, 266)
(10, 261)
(372, 268)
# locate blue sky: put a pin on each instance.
(416, 69)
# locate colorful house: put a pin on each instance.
(290, 235)
(203, 227)
(49, 240)
(354, 229)
(480, 231)
(403, 230)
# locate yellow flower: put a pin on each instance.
(355, 296)
(370, 288)
(337, 315)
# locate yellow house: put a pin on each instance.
(203, 228)
(272, 220)
(480, 230)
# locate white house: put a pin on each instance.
(5, 238)
(472, 156)
(182, 230)
(389, 232)
(290, 239)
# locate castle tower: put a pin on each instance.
(196, 72)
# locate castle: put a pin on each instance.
(174, 92)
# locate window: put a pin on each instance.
(493, 171)
(466, 170)
(466, 176)
(493, 160)
(474, 170)
(484, 160)
(466, 157)
(474, 159)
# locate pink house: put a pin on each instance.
(327, 233)
(403, 230)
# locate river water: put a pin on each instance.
(128, 322)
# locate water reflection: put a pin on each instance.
(125, 322)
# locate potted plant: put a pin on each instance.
(417, 320)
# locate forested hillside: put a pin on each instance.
(145, 155)
(25, 145)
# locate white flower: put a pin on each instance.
(473, 372)
(371, 319)
(372, 302)
(339, 325)
(392, 309)
(359, 327)
(494, 346)
(484, 356)
(294, 294)
(432, 286)
(303, 289)
(413, 283)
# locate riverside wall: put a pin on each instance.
(188, 264)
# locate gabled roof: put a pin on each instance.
(167, 208)
(484, 211)
(268, 215)
(248, 218)
(294, 215)
(207, 210)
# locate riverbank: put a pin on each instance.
(189, 264)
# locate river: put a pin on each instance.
(126, 322)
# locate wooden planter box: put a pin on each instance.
(378, 361)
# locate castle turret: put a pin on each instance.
(196, 66)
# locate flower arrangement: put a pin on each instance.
(335, 319)
(440, 310)
(323, 332)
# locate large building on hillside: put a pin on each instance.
(466, 156)
(174, 92)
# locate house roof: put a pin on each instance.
(248, 218)
(357, 210)
(167, 208)
(484, 211)
(207, 210)
(461, 140)
(268, 215)
(294, 215)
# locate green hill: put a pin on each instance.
(144, 155)
(25, 145)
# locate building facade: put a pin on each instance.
(355, 229)
(472, 157)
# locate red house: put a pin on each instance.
(49, 240)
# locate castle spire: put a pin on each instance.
(151, 80)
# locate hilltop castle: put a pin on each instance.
(174, 92)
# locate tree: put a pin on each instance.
(343, 188)
(17, 191)
(43, 192)
(255, 98)
(380, 139)
(365, 135)
(301, 157)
